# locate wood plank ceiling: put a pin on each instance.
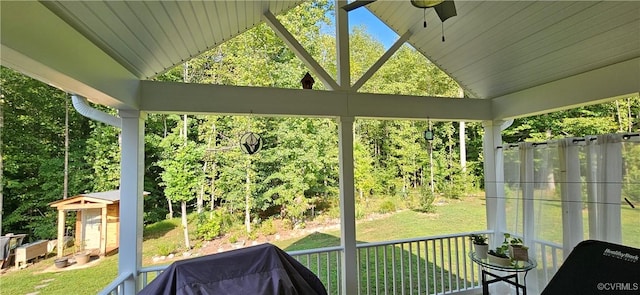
(506, 51)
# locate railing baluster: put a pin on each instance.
(410, 270)
(418, 267)
(543, 249)
(402, 267)
(328, 271)
(435, 262)
(368, 274)
(393, 267)
(384, 254)
(464, 264)
(426, 267)
(375, 255)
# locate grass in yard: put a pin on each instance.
(451, 216)
(81, 281)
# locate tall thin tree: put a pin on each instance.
(65, 187)
(1, 155)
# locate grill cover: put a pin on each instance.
(596, 267)
(264, 269)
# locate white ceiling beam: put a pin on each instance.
(173, 97)
(593, 87)
(385, 106)
(38, 44)
(383, 59)
(299, 51)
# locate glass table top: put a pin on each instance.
(516, 266)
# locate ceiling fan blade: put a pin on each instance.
(357, 4)
(445, 10)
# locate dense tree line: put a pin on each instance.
(194, 161)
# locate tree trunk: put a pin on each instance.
(214, 167)
(629, 116)
(463, 147)
(462, 136)
(65, 186)
(183, 207)
(200, 197)
(247, 207)
(170, 208)
(1, 155)
(164, 135)
(619, 116)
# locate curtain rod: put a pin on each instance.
(625, 136)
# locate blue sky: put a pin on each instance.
(375, 27)
(362, 17)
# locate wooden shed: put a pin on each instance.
(94, 212)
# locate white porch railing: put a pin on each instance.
(117, 286)
(549, 257)
(429, 265)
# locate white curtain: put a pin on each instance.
(560, 193)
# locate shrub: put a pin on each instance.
(209, 227)
(165, 249)
(268, 227)
(287, 224)
(426, 200)
(387, 206)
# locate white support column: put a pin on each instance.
(342, 45)
(349, 263)
(571, 194)
(494, 178)
(131, 203)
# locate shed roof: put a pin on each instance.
(108, 197)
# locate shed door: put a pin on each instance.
(92, 222)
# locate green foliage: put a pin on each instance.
(165, 248)
(182, 175)
(478, 239)
(209, 226)
(426, 200)
(268, 227)
(387, 206)
(33, 153)
(631, 175)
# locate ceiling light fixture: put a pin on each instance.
(425, 3)
(444, 9)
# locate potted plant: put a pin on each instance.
(499, 256)
(480, 245)
(517, 250)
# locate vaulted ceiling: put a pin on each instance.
(513, 58)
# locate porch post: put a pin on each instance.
(131, 188)
(349, 269)
(494, 177)
(61, 221)
(103, 231)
